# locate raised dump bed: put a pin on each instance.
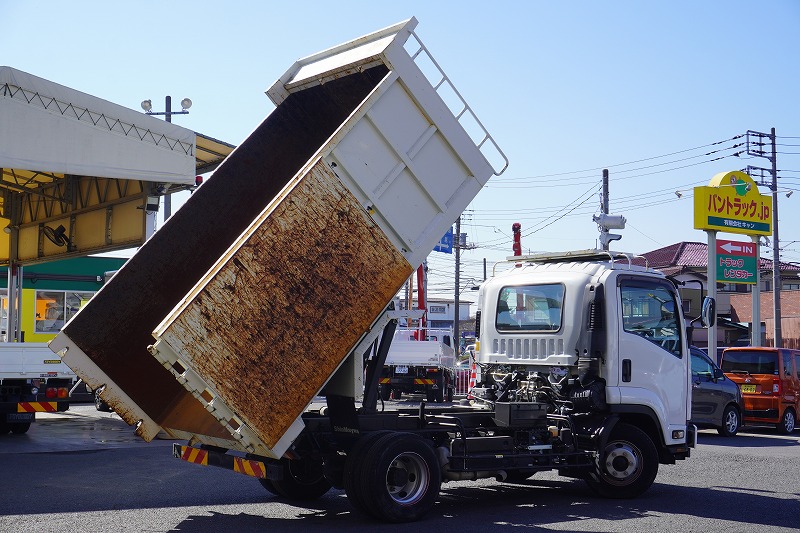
(259, 287)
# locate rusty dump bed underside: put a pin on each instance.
(294, 282)
(115, 331)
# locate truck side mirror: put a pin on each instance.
(708, 315)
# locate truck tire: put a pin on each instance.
(397, 394)
(787, 423)
(20, 428)
(352, 470)
(303, 479)
(400, 478)
(386, 392)
(518, 476)
(100, 405)
(267, 484)
(627, 466)
(438, 394)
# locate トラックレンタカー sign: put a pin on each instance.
(736, 262)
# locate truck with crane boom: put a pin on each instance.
(266, 349)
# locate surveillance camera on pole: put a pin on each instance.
(610, 221)
(606, 222)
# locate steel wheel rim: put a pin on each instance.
(621, 465)
(407, 478)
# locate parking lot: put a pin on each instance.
(88, 468)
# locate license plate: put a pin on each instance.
(748, 388)
(19, 417)
(401, 370)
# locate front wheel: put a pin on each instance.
(627, 466)
(730, 422)
(787, 423)
(399, 478)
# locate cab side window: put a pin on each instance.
(649, 310)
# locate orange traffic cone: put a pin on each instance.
(473, 378)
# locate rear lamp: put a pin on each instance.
(51, 392)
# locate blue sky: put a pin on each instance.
(566, 88)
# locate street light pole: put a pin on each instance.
(147, 105)
(168, 118)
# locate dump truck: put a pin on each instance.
(420, 360)
(261, 313)
(32, 380)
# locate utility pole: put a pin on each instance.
(755, 147)
(457, 297)
(605, 221)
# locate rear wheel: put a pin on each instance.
(399, 479)
(386, 392)
(730, 422)
(18, 428)
(787, 423)
(100, 405)
(352, 469)
(517, 476)
(267, 484)
(438, 394)
(303, 479)
(627, 466)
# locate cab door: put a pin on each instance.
(653, 363)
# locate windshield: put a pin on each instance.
(754, 362)
(530, 308)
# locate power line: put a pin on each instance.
(509, 182)
(637, 160)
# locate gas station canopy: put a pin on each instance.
(77, 171)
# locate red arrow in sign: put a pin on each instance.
(736, 248)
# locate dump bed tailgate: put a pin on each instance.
(254, 308)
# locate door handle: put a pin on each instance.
(626, 370)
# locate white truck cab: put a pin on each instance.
(592, 331)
